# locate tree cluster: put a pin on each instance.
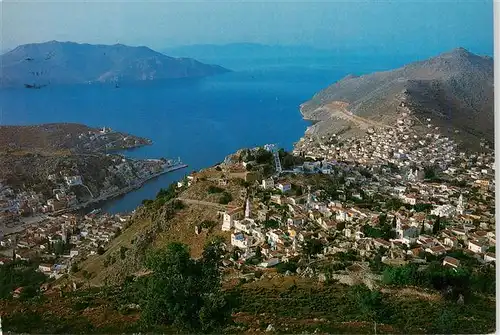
(453, 283)
(20, 274)
(185, 292)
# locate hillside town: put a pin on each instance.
(62, 241)
(392, 194)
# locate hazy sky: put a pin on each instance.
(407, 25)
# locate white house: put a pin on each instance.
(191, 179)
(489, 257)
(229, 217)
(73, 180)
(284, 186)
(296, 220)
(343, 216)
(45, 267)
(406, 232)
(277, 198)
(269, 263)
(444, 211)
(409, 199)
(451, 262)
(477, 247)
(450, 242)
(274, 236)
(359, 235)
(268, 183)
(258, 234)
(399, 189)
(240, 240)
(246, 225)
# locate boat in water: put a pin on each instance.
(173, 164)
(34, 86)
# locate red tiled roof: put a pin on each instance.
(451, 260)
(234, 210)
(438, 248)
(417, 251)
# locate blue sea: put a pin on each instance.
(199, 120)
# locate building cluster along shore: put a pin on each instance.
(78, 168)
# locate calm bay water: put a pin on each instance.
(201, 121)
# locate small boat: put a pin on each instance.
(34, 86)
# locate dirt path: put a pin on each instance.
(409, 291)
(203, 203)
(338, 109)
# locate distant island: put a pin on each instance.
(452, 92)
(242, 56)
(244, 51)
(40, 64)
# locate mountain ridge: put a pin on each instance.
(454, 89)
(57, 62)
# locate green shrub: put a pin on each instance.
(214, 189)
(286, 266)
(225, 198)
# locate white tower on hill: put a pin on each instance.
(247, 209)
(460, 205)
